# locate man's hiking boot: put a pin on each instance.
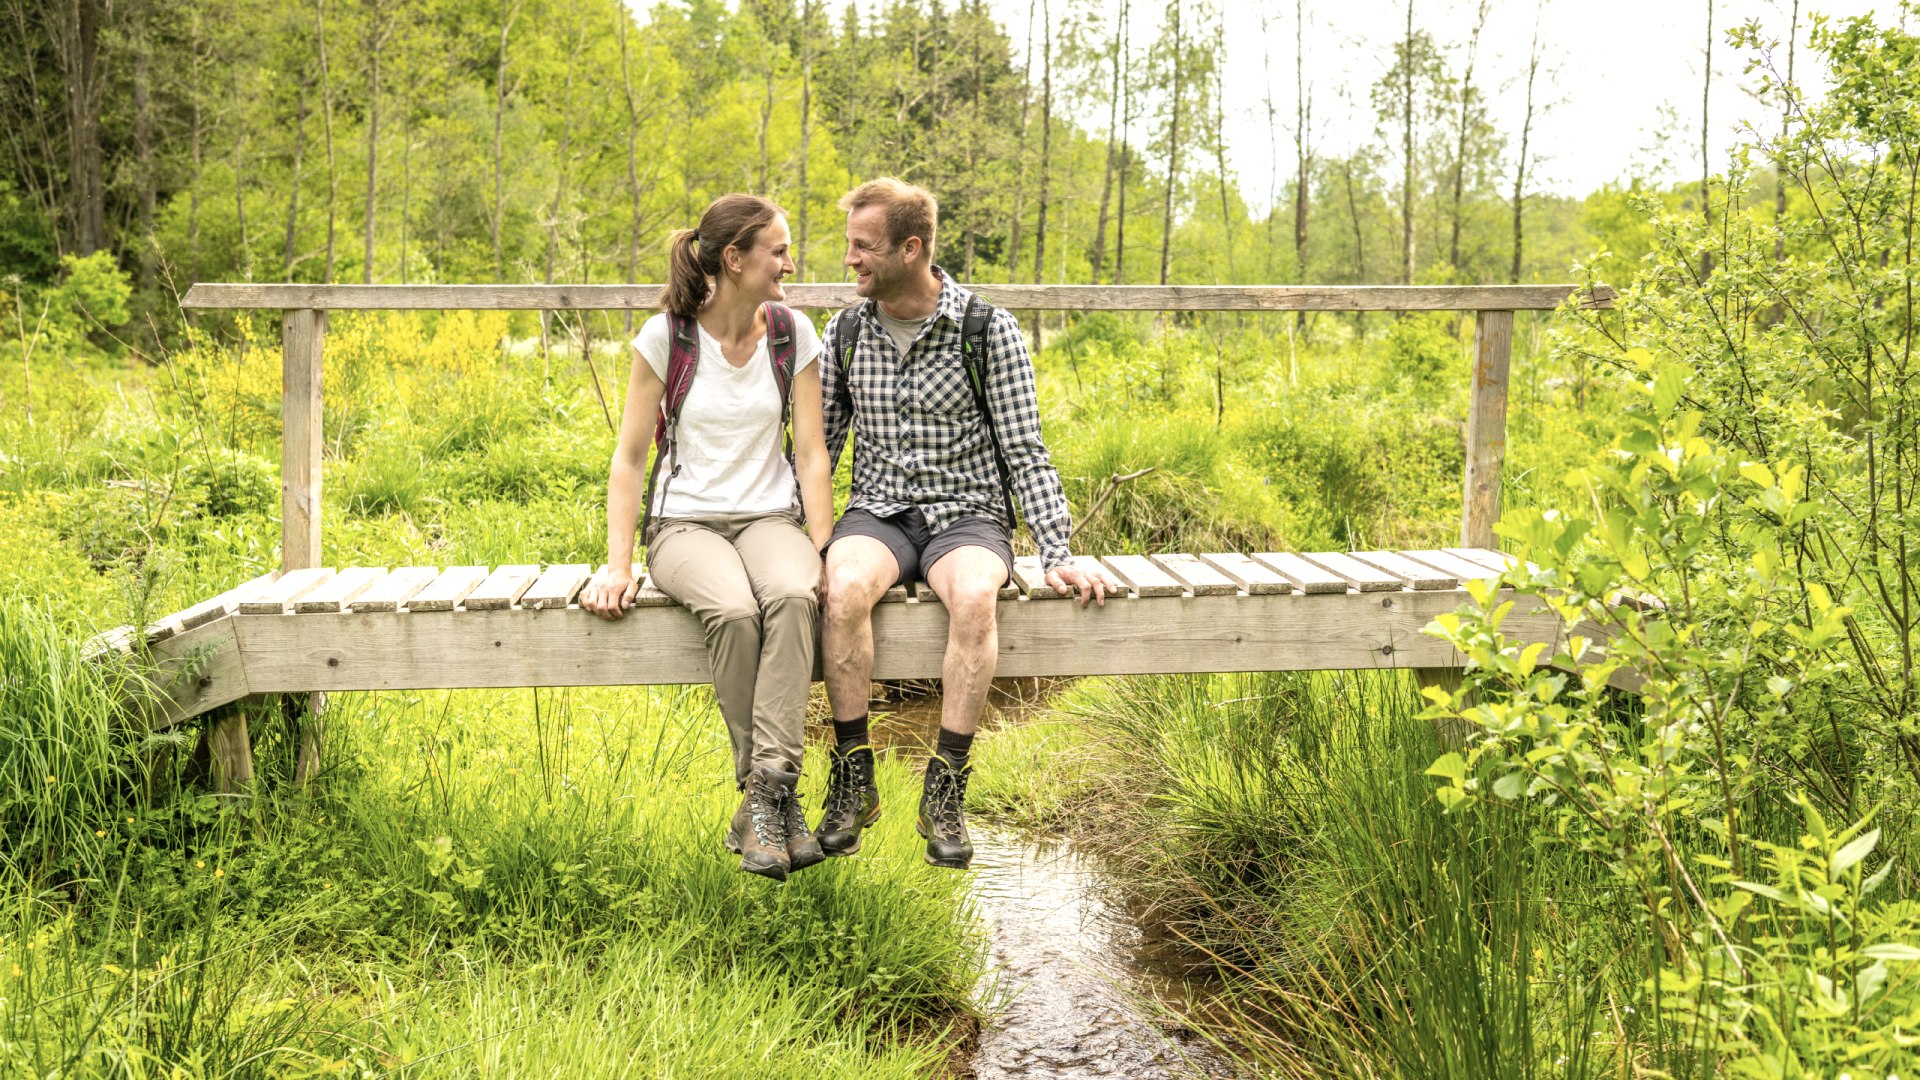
(763, 837)
(803, 847)
(853, 802)
(942, 819)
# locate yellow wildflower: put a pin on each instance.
(219, 873)
(199, 864)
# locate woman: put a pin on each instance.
(723, 534)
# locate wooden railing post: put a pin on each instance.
(303, 331)
(1486, 426)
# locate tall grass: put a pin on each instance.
(1282, 824)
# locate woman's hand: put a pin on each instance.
(610, 593)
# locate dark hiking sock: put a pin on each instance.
(954, 747)
(850, 733)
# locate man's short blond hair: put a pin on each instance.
(911, 209)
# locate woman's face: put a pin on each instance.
(770, 259)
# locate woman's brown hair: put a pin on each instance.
(693, 255)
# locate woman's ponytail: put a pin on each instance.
(687, 286)
(693, 255)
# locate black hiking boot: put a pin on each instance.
(763, 837)
(803, 847)
(942, 819)
(853, 801)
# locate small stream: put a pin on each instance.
(1077, 987)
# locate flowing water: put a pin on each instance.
(1078, 987)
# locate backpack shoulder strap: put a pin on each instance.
(781, 350)
(846, 337)
(973, 354)
(683, 359)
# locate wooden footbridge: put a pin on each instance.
(306, 629)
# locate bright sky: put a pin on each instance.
(1608, 71)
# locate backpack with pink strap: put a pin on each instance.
(683, 359)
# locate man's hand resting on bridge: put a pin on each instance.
(1090, 586)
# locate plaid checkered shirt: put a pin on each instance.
(918, 439)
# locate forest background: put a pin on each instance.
(461, 140)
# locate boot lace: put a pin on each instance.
(845, 781)
(767, 808)
(946, 801)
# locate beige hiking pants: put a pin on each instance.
(753, 581)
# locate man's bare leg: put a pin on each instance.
(860, 570)
(968, 580)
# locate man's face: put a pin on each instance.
(879, 265)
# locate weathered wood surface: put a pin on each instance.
(1486, 427)
(339, 590)
(303, 335)
(1139, 635)
(1416, 575)
(395, 589)
(1259, 614)
(502, 589)
(322, 298)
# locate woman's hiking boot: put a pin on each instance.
(853, 801)
(763, 839)
(803, 847)
(942, 819)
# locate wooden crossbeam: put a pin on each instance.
(836, 295)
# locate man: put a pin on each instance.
(930, 500)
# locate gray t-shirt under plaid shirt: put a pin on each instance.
(918, 438)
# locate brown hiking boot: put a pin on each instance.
(803, 847)
(853, 800)
(942, 819)
(763, 837)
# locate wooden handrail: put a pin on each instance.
(832, 295)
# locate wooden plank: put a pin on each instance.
(922, 593)
(196, 671)
(1487, 557)
(1275, 632)
(398, 587)
(651, 595)
(835, 295)
(1486, 427)
(272, 597)
(1356, 573)
(336, 592)
(1417, 574)
(449, 589)
(1305, 577)
(303, 332)
(557, 587)
(1461, 570)
(117, 640)
(502, 589)
(1032, 579)
(1252, 577)
(1200, 578)
(221, 606)
(1140, 575)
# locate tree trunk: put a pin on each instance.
(1126, 127)
(1706, 163)
(293, 183)
(237, 158)
(806, 132)
(509, 10)
(1113, 135)
(79, 53)
(1406, 153)
(1460, 143)
(1173, 150)
(1046, 141)
(1220, 140)
(633, 169)
(143, 142)
(1526, 132)
(1303, 118)
(376, 37)
(1353, 211)
(326, 111)
(1786, 117)
(406, 169)
(1020, 156)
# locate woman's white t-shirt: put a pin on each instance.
(728, 446)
